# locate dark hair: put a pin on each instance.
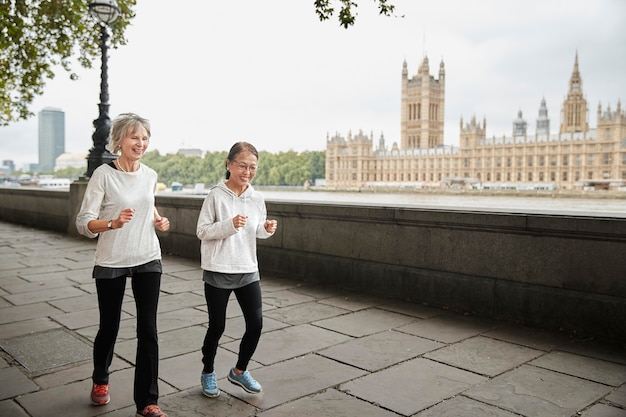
(236, 149)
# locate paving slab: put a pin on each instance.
(380, 350)
(193, 275)
(317, 291)
(191, 403)
(73, 399)
(285, 298)
(412, 386)
(79, 319)
(612, 352)
(305, 313)
(171, 285)
(484, 355)
(10, 408)
(449, 328)
(236, 326)
(461, 406)
(618, 397)
(188, 269)
(530, 336)
(411, 309)
(79, 275)
(33, 297)
(76, 372)
(19, 383)
(183, 317)
(46, 350)
(73, 304)
(128, 329)
(172, 343)
(352, 301)
(12, 314)
(538, 392)
(21, 286)
(330, 403)
(293, 379)
(291, 342)
(364, 322)
(271, 282)
(603, 410)
(20, 328)
(177, 301)
(598, 370)
(40, 272)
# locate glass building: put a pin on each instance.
(51, 137)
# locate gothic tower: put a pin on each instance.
(574, 112)
(519, 125)
(543, 121)
(422, 108)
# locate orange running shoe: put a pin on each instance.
(151, 410)
(100, 394)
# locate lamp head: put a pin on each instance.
(107, 11)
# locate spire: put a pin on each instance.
(575, 82)
(424, 69)
(543, 122)
(574, 113)
(519, 125)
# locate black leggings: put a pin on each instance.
(110, 296)
(249, 298)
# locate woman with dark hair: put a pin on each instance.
(118, 208)
(233, 216)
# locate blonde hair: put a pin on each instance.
(123, 125)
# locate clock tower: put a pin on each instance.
(574, 112)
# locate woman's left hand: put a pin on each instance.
(270, 226)
(162, 224)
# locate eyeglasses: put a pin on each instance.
(245, 167)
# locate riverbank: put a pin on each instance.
(595, 194)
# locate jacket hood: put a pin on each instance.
(222, 186)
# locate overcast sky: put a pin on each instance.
(208, 74)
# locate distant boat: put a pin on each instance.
(54, 183)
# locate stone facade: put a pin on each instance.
(577, 157)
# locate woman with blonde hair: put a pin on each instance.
(118, 208)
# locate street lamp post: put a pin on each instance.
(106, 11)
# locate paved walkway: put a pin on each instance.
(324, 351)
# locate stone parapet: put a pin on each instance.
(550, 271)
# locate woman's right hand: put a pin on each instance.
(125, 216)
(240, 221)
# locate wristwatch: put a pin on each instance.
(110, 224)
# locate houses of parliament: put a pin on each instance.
(578, 157)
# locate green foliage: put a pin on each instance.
(70, 172)
(38, 36)
(284, 168)
(347, 10)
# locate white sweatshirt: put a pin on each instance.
(108, 192)
(224, 248)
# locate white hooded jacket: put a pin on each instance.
(224, 248)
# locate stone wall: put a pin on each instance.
(550, 271)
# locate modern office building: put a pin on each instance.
(51, 137)
(576, 157)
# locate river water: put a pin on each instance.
(544, 204)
